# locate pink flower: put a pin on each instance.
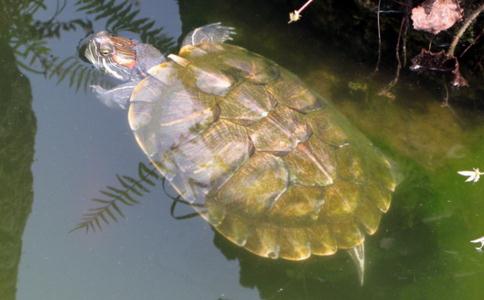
(435, 16)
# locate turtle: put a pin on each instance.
(266, 161)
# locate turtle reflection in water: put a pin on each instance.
(278, 170)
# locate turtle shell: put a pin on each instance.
(278, 170)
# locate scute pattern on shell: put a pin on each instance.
(280, 172)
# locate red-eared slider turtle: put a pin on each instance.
(278, 170)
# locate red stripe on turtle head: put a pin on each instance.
(124, 53)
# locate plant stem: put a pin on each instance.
(379, 37)
(304, 6)
(472, 44)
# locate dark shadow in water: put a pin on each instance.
(17, 132)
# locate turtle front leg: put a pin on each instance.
(115, 97)
(211, 33)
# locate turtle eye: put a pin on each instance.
(105, 51)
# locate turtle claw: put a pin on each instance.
(357, 254)
(115, 97)
(211, 33)
(99, 91)
(96, 88)
(219, 33)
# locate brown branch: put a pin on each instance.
(463, 29)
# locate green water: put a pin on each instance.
(59, 148)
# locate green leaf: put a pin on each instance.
(116, 207)
(110, 214)
(102, 201)
(137, 184)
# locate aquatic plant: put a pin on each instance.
(128, 193)
(123, 15)
(113, 197)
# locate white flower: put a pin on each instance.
(479, 240)
(473, 175)
(294, 16)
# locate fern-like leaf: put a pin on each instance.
(115, 198)
(127, 194)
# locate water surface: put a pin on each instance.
(63, 147)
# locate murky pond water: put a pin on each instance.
(61, 148)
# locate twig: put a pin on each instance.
(463, 29)
(304, 6)
(379, 37)
(430, 43)
(446, 96)
(403, 24)
(446, 103)
(472, 44)
(408, 5)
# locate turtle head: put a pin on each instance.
(117, 56)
